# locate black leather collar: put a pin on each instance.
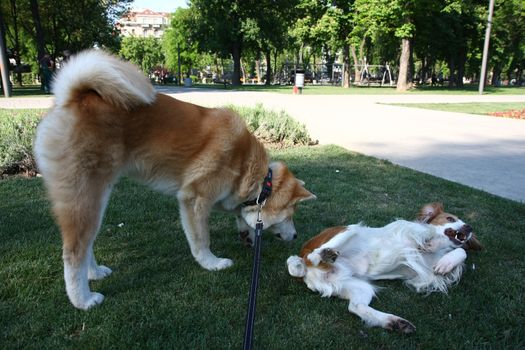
(265, 192)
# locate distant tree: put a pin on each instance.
(507, 51)
(77, 25)
(38, 27)
(336, 27)
(219, 29)
(306, 31)
(144, 52)
(456, 33)
(380, 19)
(226, 27)
(178, 41)
(273, 22)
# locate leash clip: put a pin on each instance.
(259, 223)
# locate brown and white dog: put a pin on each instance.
(428, 255)
(108, 121)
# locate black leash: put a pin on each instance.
(252, 300)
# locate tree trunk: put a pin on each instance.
(268, 56)
(275, 64)
(452, 76)
(258, 70)
(243, 73)
(236, 54)
(4, 61)
(411, 65)
(346, 63)
(41, 51)
(330, 59)
(14, 12)
(403, 81)
(496, 76)
(357, 71)
(461, 67)
(358, 60)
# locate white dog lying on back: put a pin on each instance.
(428, 255)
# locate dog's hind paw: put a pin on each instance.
(329, 255)
(99, 272)
(399, 324)
(296, 266)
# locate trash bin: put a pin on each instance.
(187, 82)
(299, 78)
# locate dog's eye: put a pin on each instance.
(450, 219)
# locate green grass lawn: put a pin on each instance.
(32, 91)
(370, 90)
(26, 91)
(472, 108)
(158, 296)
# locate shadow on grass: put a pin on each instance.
(26, 91)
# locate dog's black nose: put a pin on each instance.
(466, 229)
(295, 236)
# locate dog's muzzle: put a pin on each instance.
(278, 235)
(460, 236)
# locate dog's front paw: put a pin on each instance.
(92, 299)
(213, 263)
(329, 255)
(245, 238)
(399, 324)
(443, 266)
(99, 272)
(449, 261)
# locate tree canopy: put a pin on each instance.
(417, 38)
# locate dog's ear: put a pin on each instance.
(473, 243)
(301, 194)
(429, 211)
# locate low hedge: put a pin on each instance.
(17, 130)
(18, 126)
(274, 128)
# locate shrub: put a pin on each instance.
(17, 131)
(274, 128)
(18, 127)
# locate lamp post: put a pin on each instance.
(483, 74)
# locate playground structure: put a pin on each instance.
(333, 74)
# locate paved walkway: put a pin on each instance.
(482, 152)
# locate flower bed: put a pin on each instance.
(515, 114)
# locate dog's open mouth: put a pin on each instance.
(460, 236)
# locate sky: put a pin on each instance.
(159, 5)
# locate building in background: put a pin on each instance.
(144, 23)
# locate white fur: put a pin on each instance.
(105, 74)
(420, 254)
(77, 286)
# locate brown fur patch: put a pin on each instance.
(317, 241)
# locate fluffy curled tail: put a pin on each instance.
(117, 82)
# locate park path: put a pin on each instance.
(483, 152)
